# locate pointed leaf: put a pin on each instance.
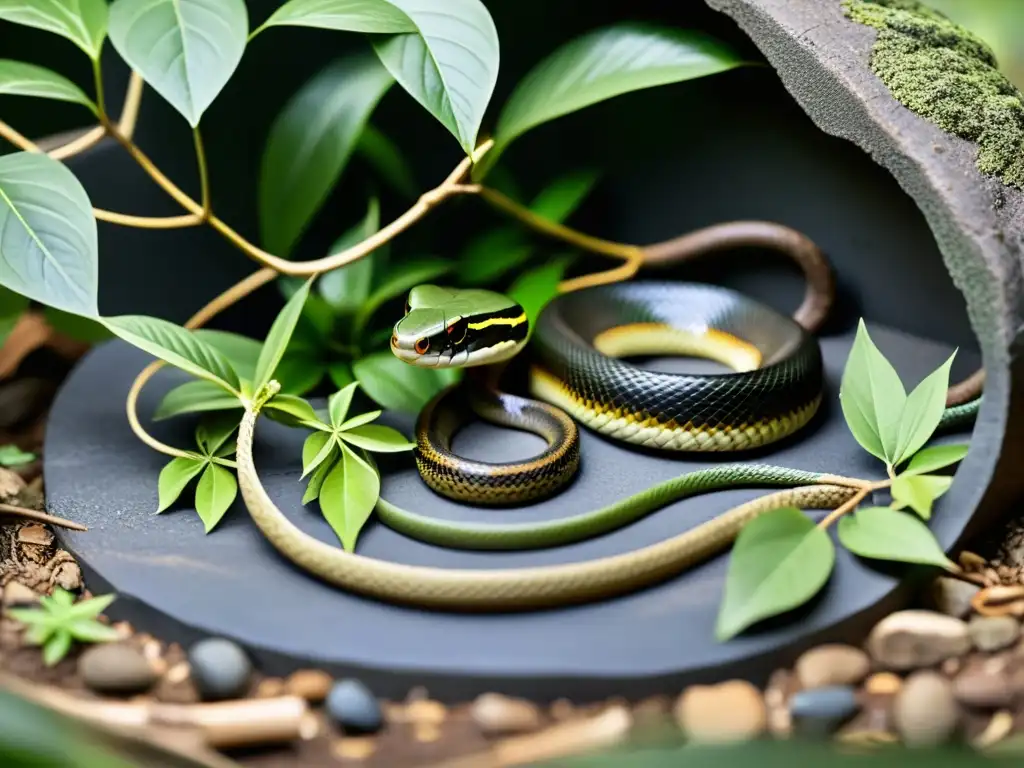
(535, 288)
(241, 351)
(195, 397)
(48, 240)
(780, 561)
(602, 64)
(348, 496)
(175, 345)
(919, 492)
(88, 631)
(339, 403)
(386, 158)
(345, 289)
(36, 634)
(560, 199)
(880, 533)
(91, 608)
(316, 480)
(872, 397)
(213, 431)
(174, 478)
(215, 494)
(378, 438)
(63, 598)
(358, 421)
(398, 386)
(310, 144)
(449, 65)
(20, 79)
(84, 22)
(312, 449)
(936, 457)
(400, 279)
(57, 647)
(291, 410)
(373, 16)
(279, 336)
(922, 412)
(186, 50)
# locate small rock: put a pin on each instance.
(351, 705)
(781, 686)
(426, 711)
(953, 596)
(727, 712)
(269, 688)
(830, 665)
(984, 684)
(35, 534)
(561, 709)
(355, 749)
(993, 633)
(11, 485)
(16, 593)
(913, 639)
(884, 683)
(116, 668)
(925, 711)
(220, 669)
(873, 724)
(68, 576)
(311, 684)
(820, 711)
(495, 714)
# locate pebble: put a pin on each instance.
(426, 711)
(873, 724)
(116, 668)
(914, 639)
(496, 714)
(984, 684)
(561, 709)
(269, 688)
(820, 711)
(351, 705)
(16, 593)
(357, 749)
(68, 577)
(953, 596)
(727, 712)
(313, 685)
(925, 711)
(11, 485)
(993, 633)
(781, 686)
(220, 669)
(884, 683)
(830, 665)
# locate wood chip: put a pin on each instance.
(36, 535)
(354, 748)
(269, 688)
(1000, 600)
(426, 711)
(998, 728)
(426, 733)
(971, 561)
(599, 732)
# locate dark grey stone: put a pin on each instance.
(351, 705)
(220, 669)
(820, 711)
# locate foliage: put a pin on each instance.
(12, 456)
(59, 622)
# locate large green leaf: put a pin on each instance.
(215, 493)
(922, 412)
(399, 386)
(780, 561)
(348, 496)
(919, 492)
(377, 438)
(48, 241)
(175, 345)
(280, 334)
(84, 22)
(20, 79)
(186, 50)
(600, 65)
(174, 478)
(346, 288)
(936, 457)
(195, 397)
(310, 143)
(449, 65)
(242, 351)
(372, 16)
(885, 534)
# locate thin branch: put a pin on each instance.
(846, 507)
(87, 140)
(204, 176)
(130, 110)
(40, 517)
(15, 138)
(148, 222)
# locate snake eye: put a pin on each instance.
(422, 345)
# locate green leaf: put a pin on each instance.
(398, 386)
(213, 432)
(88, 631)
(48, 251)
(378, 438)
(315, 449)
(241, 351)
(310, 144)
(91, 608)
(880, 533)
(215, 494)
(919, 492)
(373, 16)
(602, 64)
(341, 374)
(449, 65)
(298, 373)
(83, 22)
(780, 561)
(348, 496)
(339, 403)
(358, 421)
(872, 398)
(560, 199)
(936, 457)
(76, 327)
(382, 153)
(346, 288)
(12, 456)
(174, 478)
(279, 336)
(20, 79)
(316, 480)
(36, 634)
(292, 406)
(62, 597)
(535, 288)
(186, 50)
(400, 279)
(175, 345)
(922, 412)
(195, 397)
(57, 647)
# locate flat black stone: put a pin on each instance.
(181, 584)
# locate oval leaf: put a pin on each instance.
(310, 143)
(603, 64)
(48, 241)
(780, 561)
(339, 403)
(348, 496)
(186, 50)
(84, 22)
(20, 79)
(175, 345)
(291, 409)
(173, 479)
(312, 448)
(398, 386)
(316, 481)
(885, 534)
(377, 438)
(195, 397)
(215, 494)
(358, 421)
(449, 65)
(370, 16)
(241, 351)
(922, 412)
(919, 492)
(936, 457)
(346, 288)
(279, 336)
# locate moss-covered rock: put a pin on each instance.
(949, 76)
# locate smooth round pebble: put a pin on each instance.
(925, 711)
(220, 669)
(313, 685)
(883, 683)
(496, 714)
(728, 712)
(914, 639)
(116, 668)
(820, 711)
(953, 596)
(993, 633)
(985, 684)
(351, 705)
(829, 665)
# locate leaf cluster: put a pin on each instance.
(59, 622)
(12, 456)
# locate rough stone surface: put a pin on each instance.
(220, 669)
(925, 711)
(352, 706)
(497, 714)
(728, 712)
(116, 668)
(912, 639)
(829, 665)
(993, 633)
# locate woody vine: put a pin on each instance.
(446, 59)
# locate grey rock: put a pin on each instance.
(351, 705)
(220, 669)
(116, 668)
(829, 665)
(925, 712)
(953, 596)
(984, 683)
(820, 711)
(915, 639)
(993, 633)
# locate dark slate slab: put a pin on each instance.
(182, 585)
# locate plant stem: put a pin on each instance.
(148, 222)
(97, 73)
(846, 507)
(40, 517)
(86, 141)
(130, 110)
(204, 176)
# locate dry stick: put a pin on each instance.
(41, 517)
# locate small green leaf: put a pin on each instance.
(880, 533)
(872, 398)
(88, 631)
(339, 403)
(242, 351)
(312, 448)
(535, 288)
(91, 608)
(279, 336)
(292, 406)
(401, 278)
(62, 597)
(57, 647)
(936, 457)
(602, 64)
(311, 142)
(316, 480)
(173, 479)
(20, 79)
(560, 199)
(187, 50)
(919, 492)
(213, 432)
(83, 22)
(378, 438)
(346, 288)
(36, 634)
(177, 346)
(358, 421)
(385, 157)
(215, 494)
(348, 496)
(780, 561)
(922, 412)
(195, 397)
(373, 16)
(12, 456)
(398, 386)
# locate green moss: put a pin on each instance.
(949, 76)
